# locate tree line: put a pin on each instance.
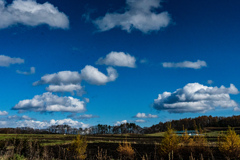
(186, 123)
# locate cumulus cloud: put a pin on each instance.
(31, 13)
(63, 77)
(118, 123)
(66, 88)
(195, 97)
(70, 81)
(186, 64)
(47, 102)
(139, 14)
(69, 122)
(3, 113)
(32, 71)
(143, 115)
(6, 61)
(120, 59)
(84, 116)
(93, 76)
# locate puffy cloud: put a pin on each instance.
(63, 77)
(84, 116)
(140, 121)
(118, 123)
(6, 61)
(47, 102)
(65, 88)
(31, 13)
(3, 113)
(69, 81)
(186, 64)
(118, 59)
(139, 14)
(195, 97)
(93, 76)
(32, 124)
(69, 122)
(143, 115)
(32, 71)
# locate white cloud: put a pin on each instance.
(47, 102)
(140, 121)
(32, 71)
(84, 116)
(93, 76)
(195, 97)
(186, 64)
(69, 122)
(32, 124)
(31, 13)
(6, 61)
(118, 123)
(143, 115)
(139, 14)
(118, 59)
(65, 88)
(63, 77)
(3, 113)
(15, 117)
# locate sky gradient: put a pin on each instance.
(87, 62)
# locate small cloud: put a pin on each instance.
(195, 97)
(139, 14)
(186, 64)
(84, 116)
(140, 121)
(71, 88)
(31, 13)
(119, 59)
(144, 61)
(24, 117)
(143, 115)
(32, 71)
(210, 82)
(3, 113)
(93, 76)
(6, 61)
(118, 123)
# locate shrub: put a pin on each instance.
(79, 147)
(229, 144)
(169, 144)
(126, 151)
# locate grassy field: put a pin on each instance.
(148, 144)
(60, 139)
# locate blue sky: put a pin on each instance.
(110, 62)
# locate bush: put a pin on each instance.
(126, 151)
(169, 144)
(79, 147)
(229, 144)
